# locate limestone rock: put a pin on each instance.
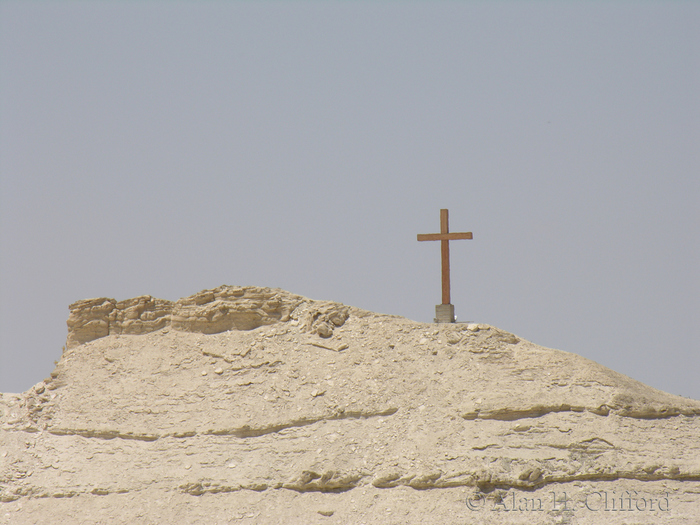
(207, 312)
(237, 405)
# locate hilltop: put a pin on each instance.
(255, 405)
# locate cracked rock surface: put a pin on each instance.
(254, 405)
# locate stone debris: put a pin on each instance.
(323, 413)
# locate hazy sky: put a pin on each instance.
(166, 147)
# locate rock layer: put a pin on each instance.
(208, 312)
(273, 408)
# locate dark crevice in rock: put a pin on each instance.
(507, 414)
(247, 431)
(103, 434)
(242, 432)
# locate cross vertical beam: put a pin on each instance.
(445, 311)
(445, 254)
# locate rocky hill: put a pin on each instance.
(255, 405)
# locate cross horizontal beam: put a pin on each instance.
(444, 236)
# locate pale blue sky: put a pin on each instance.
(166, 147)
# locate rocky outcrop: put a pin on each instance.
(91, 319)
(207, 312)
(266, 407)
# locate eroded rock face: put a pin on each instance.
(91, 319)
(207, 312)
(273, 408)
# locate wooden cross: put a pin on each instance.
(444, 237)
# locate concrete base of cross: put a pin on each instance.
(445, 313)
